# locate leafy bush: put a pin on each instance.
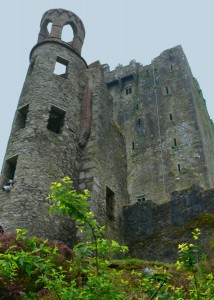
(41, 269)
(24, 259)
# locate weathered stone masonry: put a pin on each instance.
(132, 136)
(63, 127)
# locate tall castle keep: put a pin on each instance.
(133, 134)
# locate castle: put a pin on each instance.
(131, 136)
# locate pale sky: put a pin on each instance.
(117, 31)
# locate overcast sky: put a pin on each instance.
(117, 31)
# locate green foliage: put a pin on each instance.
(41, 269)
(23, 260)
(91, 260)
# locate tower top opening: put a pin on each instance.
(53, 23)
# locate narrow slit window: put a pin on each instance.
(110, 204)
(21, 116)
(167, 90)
(179, 168)
(1, 230)
(170, 117)
(171, 67)
(56, 119)
(130, 90)
(61, 67)
(133, 145)
(175, 142)
(137, 106)
(138, 122)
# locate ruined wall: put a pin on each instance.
(103, 160)
(153, 231)
(168, 137)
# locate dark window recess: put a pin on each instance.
(179, 168)
(138, 122)
(171, 67)
(167, 90)
(1, 230)
(56, 119)
(21, 116)
(133, 145)
(128, 90)
(175, 142)
(170, 117)
(61, 67)
(147, 73)
(10, 168)
(110, 204)
(141, 198)
(137, 106)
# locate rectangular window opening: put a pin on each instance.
(56, 119)
(171, 67)
(128, 90)
(141, 198)
(170, 117)
(21, 116)
(61, 67)
(179, 168)
(110, 204)
(137, 106)
(10, 169)
(175, 142)
(133, 145)
(167, 90)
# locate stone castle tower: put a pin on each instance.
(133, 134)
(169, 136)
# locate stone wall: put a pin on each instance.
(103, 160)
(169, 136)
(153, 231)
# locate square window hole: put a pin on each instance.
(21, 116)
(56, 119)
(61, 67)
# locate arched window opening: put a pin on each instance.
(67, 33)
(49, 27)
